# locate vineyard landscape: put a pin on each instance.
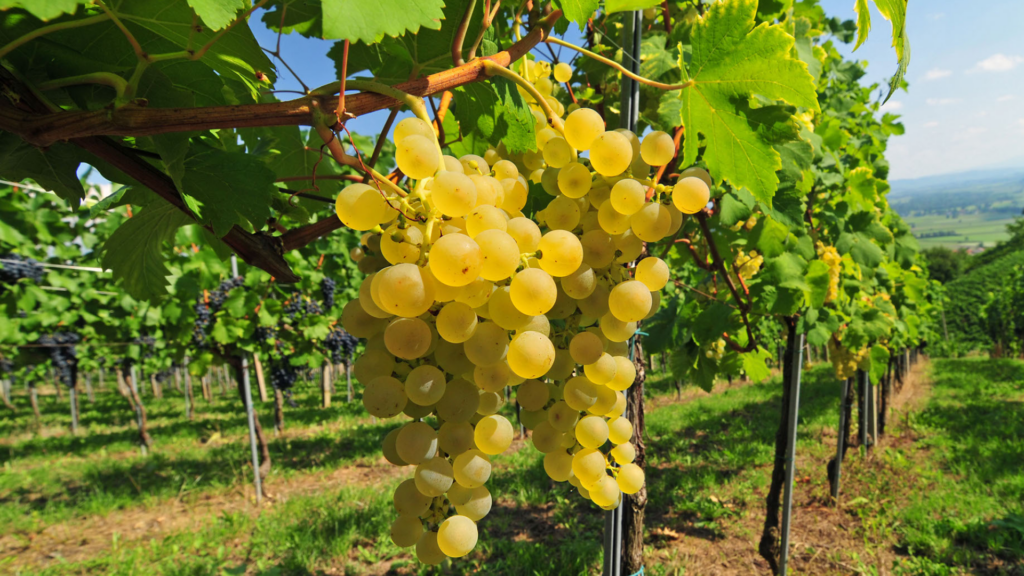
(559, 287)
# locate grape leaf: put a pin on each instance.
(754, 364)
(369, 20)
(655, 60)
(44, 9)
(134, 252)
(578, 11)
(486, 117)
(227, 188)
(818, 280)
(613, 6)
(217, 14)
(54, 169)
(302, 16)
(895, 11)
(863, 11)
(732, 60)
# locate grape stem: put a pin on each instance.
(619, 67)
(120, 85)
(719, 264)
(488, 19)
(338, 153)
(493, 69)
(460, 34)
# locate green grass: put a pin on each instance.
(949, 502)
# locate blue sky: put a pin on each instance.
(964, 109)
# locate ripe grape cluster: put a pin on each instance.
(207, 304)
(6, 366)
(283, 374)
(829, 255)
(747, 264)
(15, 267)
(299, 305)
(340, 344)
(62, 354)
(327, 288)
(466, 296)
(844, 361)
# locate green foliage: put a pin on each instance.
(368, 21)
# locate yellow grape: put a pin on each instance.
(617, 330)
(630, 301)
(504, 312)
(490, 403)
(405, 290)
(655, 305)
(602, 371)
(563, 72)
(452, 164)
(690, 195)
(582, 127)
(580, 283)
(629, 245)
(610, 154)
(411, 126)
(588, 465)
(384, 397)
(456, 536)
(563, 366)
(406, 531)
(592, 432)
(619, 408)
(598, 248)
(586, 348)
(456, 322)
(361, 207)
(623, 453)
(560, 253)
(409, 501)
(533, 291)
(651, 223)
(546, 438)
(474, 164)
(417, 156)
(538, 323)
(476, 293)
(390, 449)
(574, 180)
(657, 149)
(488, 345)
(401, 245)
(561, 214)
(367, 301)
(530, 355)
(564, 306)
(417, 442)
(630, 478)
(407, 338)
(486, 194)
(459, 494)
(425, 385)
(454, 438)
(558, 465)
(455, 259)
(427, 550)
(477, 505)
(472, 468)
(460, 402)
(532, 395)
(653, 273)
(434, 476)
(697, 172)
(452, 358)
(606, 398)
(611, 220)
(620, 430)
(580, 393)
(373, 363)
(493, 434)
(557, 152)
(525, 232)
(605, 492)
(625, 374)
(500, 252)
(516, 194)
(504, 169)
(562, 417)
(628, 196)
(453, 193)
(485, 217)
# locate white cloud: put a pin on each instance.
(932, 124)
(937, 73)
(941, 101)
(1006, 98)
(977, 130)
(998, 63)
(892, 106)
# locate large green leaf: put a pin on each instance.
(369, 20)
(731, 61)
(755, 364)
(488, 112)
(227, 188)
(44, 9)
(217, 14)
(55, 169)
(613, 6)
(134, 252)
(895, 11)
(578, 11)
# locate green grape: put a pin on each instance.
(391, 451)
(580, 393)
(358, 323)
(457, 536)
(407, 338)
(612, 221)
(532, 395)
(492, 378)
(453, 193)
(459, 494)
(454, 438)
(592, 432)
(625, 374)
(630, 478)
(409, 501)
(366, 298)
(557, 152)
(628, 196)
(417, 156)
(620, 430)
(630, 301)
(434, 476)
(488, 345)
(558, 465)
(371, 364)
(416, 442)
(410, 126)
(581, 283)
(493, 434)
(623, 453)
(574, 180)
(361, 207)
(477, 505)
(561, 253)
(425, 385)
(562, 417)
(588, 465)
(460, 402)
(427, 550)
(563, 366)
(472, 468)
(456, 322)
(657, 149)
(504, 312)
(533, 291)
(604, 492)
(610, 154)
(546, 438)
(531, 355)
(455, 259)
(500, 252)
(561, 214)
(602, 371)
(525, 232)
(406, 531)
(582, 127)
(563, 72)
(586, 348)
(653, 272)
(595, 305)
(384, 397)
(405, 290)
(690, 195)
(598, 248)
(490, 403)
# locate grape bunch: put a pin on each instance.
(61, 348)
(6, 366)
(14, 267)
(716, 350)
(844, 361)
(340, 344)
(283, 374)
(327, 288)
(265, 335)
(747, 264)
(829, 255)
(466, 296)
(207, 304)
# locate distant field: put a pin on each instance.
(971, 230)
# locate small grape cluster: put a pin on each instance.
(147, 342)
(299, 305)
(327, 288)
(283, 374)
(716, 351)
(265, 335)
(14, 267)
(747, 264)
(207, 304)
(340, 344)
(844, 361)
(829, 255)
(61, 348)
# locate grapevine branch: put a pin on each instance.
(742, 306)
(130, 120)
(625, 71)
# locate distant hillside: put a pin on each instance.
(968, 295)
(971, 180)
